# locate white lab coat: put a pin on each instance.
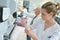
(36, 19)
(34, 23)
(52, 33)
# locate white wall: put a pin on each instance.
(8, 3)
(12, 6)
(35, 3)
(3, 3)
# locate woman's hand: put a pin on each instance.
(31, 33)
(22, 21)
(28, 31)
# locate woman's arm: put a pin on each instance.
(31, 34)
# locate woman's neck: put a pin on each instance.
(49, 23)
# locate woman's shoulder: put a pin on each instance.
(56, 31)
(57, 27)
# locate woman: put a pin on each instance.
(48, 29)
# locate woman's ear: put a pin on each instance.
(51, 13)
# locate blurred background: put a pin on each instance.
(10, 17)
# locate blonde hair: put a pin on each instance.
(50, 7)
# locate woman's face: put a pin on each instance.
(45, 16)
